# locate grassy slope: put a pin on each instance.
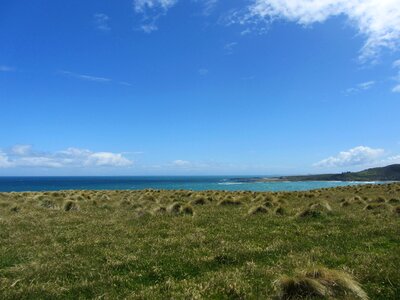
(114, 248)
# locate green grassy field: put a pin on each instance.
(201, 245)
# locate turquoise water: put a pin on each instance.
(197, 183)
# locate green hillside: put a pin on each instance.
(388, 173)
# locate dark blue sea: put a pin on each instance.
(197, 183)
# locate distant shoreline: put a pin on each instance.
(383, 174)
(277, 179)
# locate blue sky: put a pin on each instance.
(192, 87)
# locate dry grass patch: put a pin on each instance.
(174, 208)
(229, 202)
(199, 201)
(320, 283)
(256, 210)
(375, 207)
(396, 210)
(280, 211)
(345, 203)
(394, 201)
(70, 205)
(160, 210)
(187, 210)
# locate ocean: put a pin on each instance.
(197, 183)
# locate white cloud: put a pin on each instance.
(229, 47)
(393, 159)
(86, 77)
(151, 10)
(6, 69)
(4, 162)
(208, 6)
(377, 20)
(181, 163)
(102, 159)
(37, 161)
(396, 88)
(360, 155)
(21, 149)
(149, 28)
(23, 156)
(366, 85)
(101, 21)
(361, 87)
(141, 6)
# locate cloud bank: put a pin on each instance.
(25, 156)
(377, 20)
(357, 156)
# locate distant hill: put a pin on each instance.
(388, 173)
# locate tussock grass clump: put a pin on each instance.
(187, 210)
(47, 203)
(15, 209)
(375, 206)
(321, 206)
(345, 203)
(271, 198)
(258, 198)
(282, 201)
(320, 283)
(269, 203)
(80, 198)
(174, 208)
(396, 210)
(256, 210)
(379, 199)
(244, 198)
(160, 210)
(125, 203)
(104, 197)
(310, 213)
(148, 198)
(315, 210)
(358, 200)
(280, 211)
(310, 195)
(70, 205)
(394, 200)
(199, 201)
(229, 201)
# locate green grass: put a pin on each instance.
(120, 244)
